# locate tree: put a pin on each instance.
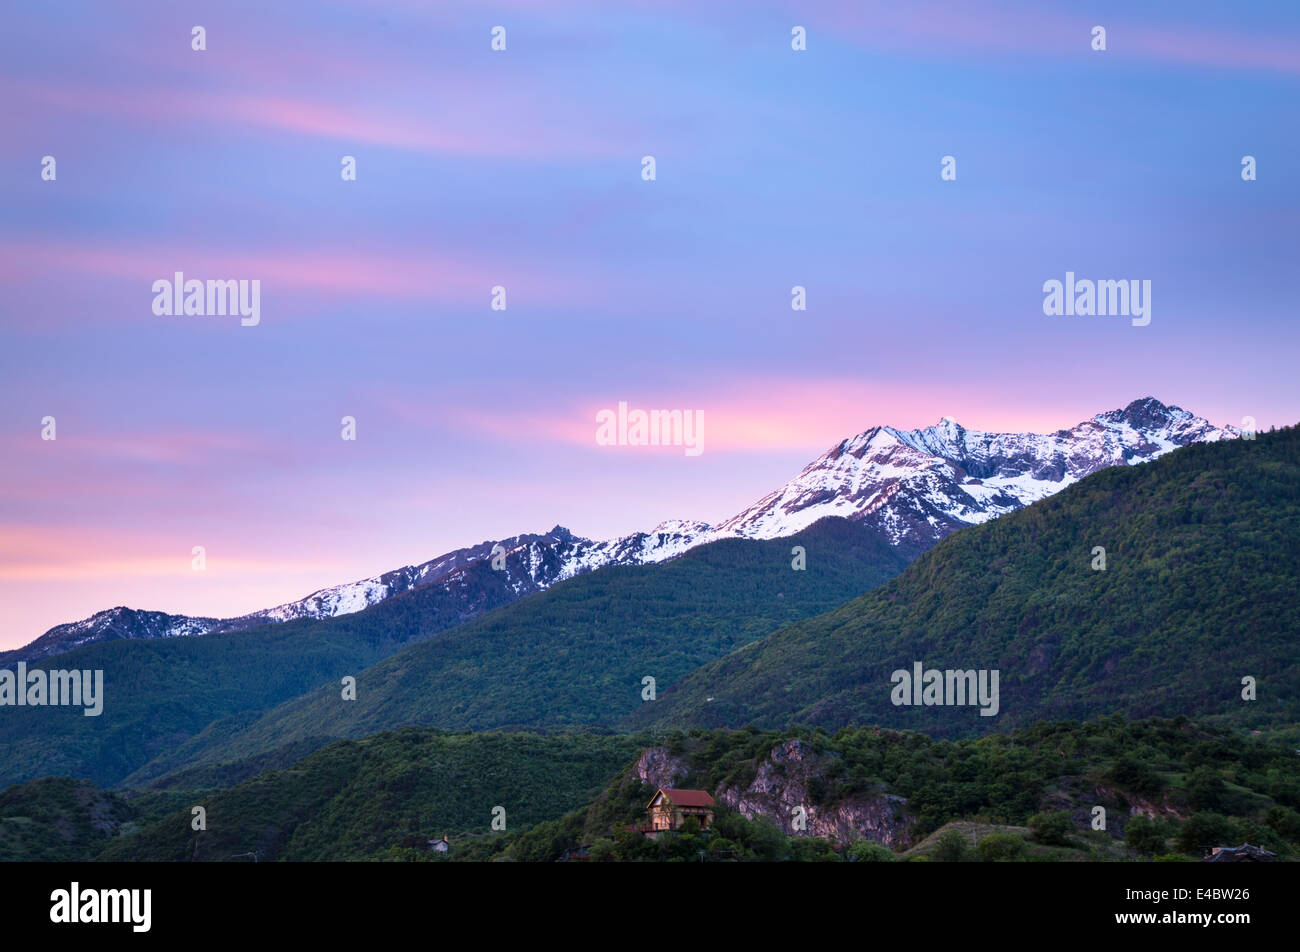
(1203, 831)
(1206, 790)
(1052, 828)
(952, 847)
(1001, 847)
(1285, 821)
(812, 849)
(1134, 775)
(722, 849)
(868, 851)
(1143, 835)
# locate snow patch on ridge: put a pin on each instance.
(912, 486)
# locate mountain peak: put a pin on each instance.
(1143, 413)
(681, 527)
(913, 487)
(919, 485)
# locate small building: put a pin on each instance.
(440, 846)
(1245, 853)
(669, 809)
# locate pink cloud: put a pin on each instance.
(430, 275)
(961, 27)
(177, 447)
(510, 126)
(1223, 50)
(37, 553)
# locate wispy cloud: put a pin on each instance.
(1036, 30)
(508, 127)
(428, 276)
(50, 553)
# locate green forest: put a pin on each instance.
(1171, 789)
(1162, 688)
(1204, 787)
(1198, 592)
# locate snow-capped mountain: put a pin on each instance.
(920, 485)
(122, 622)
(913, 486)
(109, 625)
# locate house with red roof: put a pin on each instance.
(669, 809)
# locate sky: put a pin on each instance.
(522, 169)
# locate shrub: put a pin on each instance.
(1203, 831)
(1001, 847)
(1206, 790)
(952, 847)
(1134, 775)
(1285, 821)
(1051, 829)
(1143, 835)
(723, 849)
(867, 851)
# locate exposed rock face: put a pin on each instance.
(1145, 806)
(783, 783)
(785, 780)
(658, 768)
(1078, 796)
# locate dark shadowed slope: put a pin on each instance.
(576, 654)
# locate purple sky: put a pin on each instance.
(522, 168)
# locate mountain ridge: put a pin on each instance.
(165, 697)
(1193, 592)
(912, 486)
